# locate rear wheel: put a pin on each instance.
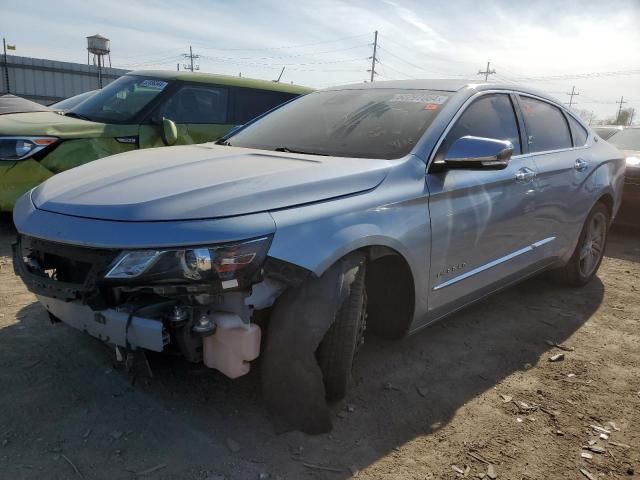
(338, 348)
(586, 258)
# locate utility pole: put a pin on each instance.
(191, 57)
(178, 66)
(633, 112)
(620, 108)
(487, 72)
(6, 65)
(373, 57)
(571, 95)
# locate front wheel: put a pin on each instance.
(340, 344)
(586, 258)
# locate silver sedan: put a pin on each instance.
(386, 205)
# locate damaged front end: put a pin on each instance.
(198, 301)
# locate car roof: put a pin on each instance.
(445, 85)
(211, 78)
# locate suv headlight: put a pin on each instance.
(225, 263)
(20, 148)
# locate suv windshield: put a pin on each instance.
(627, 139)
(121, 100)
(367, 123)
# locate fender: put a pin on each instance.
(395, 215)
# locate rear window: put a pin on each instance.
(578, 132)
(547, 128)
(368, 123)
(251, 103)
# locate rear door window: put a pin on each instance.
(546, 126)
(490, 116)
(251, 103)
(196, 104)
(578, 132)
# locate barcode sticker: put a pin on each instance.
(424, 98)
(156, 84)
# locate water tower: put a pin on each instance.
(100, 47)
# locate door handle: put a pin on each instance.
(525, 175)
(581, 165)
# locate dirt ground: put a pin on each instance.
(475, 389)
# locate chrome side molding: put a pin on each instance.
(494, 263)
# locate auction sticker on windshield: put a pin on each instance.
(424, 98)
(155, 84)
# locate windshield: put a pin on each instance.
(121, 100)
(367, 123)
(71, 102)
(628, 139)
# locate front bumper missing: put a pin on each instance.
(78, 305)
(109, 325)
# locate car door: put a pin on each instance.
(562, 165)
(482, 229)
(200, 112)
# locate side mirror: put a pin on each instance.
(169, 132)
(479, 152)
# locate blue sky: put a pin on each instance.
(324, 43)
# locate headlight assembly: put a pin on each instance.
(21, 148)
(226, 263)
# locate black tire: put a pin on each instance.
(338, 348)
(577, 272)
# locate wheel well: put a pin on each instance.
(390, 293)
(607, 200)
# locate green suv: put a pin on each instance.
(142, 109)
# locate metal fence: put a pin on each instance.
(49, 81)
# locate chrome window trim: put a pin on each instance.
(494, 263)
(477, 95)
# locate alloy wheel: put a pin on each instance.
(593, 244)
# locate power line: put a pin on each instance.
(581, 75)
(284, 47)
(298, 55)
(430, 71)
(279, 64)
(431, 54)
(386, 65)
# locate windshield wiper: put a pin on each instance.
(75, 115)
(289, 150)
(225, 143)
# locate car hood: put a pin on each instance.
(202, 181)
(49, 123)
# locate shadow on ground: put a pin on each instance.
(624, 243)
(63, 398)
